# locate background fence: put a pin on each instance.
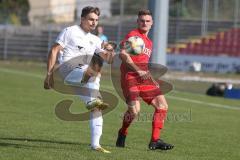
(21, 39)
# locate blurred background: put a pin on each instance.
(203, 35)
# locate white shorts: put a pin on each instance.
(75, 77)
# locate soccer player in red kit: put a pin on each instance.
(136, 81)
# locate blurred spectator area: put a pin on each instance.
(104, 6)
(63, 11)
(225, 43)
(23, 43)
(35, 41)
(44, 11)
(185, 31)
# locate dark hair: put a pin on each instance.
(89, 9)
(113, 44)
(144, 12)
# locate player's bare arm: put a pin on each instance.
(128, 61)
(52, 57)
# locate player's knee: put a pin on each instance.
(158, 104)
(162, 106)
(133, 112)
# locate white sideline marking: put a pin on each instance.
(21, 73)
(171, 97)
(204, 103)
(203, 79)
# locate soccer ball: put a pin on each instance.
(134, 45)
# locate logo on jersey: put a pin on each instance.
(79, 47)
(147, 51)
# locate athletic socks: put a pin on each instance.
(96, 124)
(127, 120)
(93, 93)
(158, 123)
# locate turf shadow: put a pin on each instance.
(24, 143)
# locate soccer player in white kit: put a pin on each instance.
(75, 41)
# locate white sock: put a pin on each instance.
(96, 124)
(94, 83)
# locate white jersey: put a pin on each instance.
(76, 42)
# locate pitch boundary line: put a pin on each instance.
(20, 73)
(204, 103)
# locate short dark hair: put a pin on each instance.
(113, 44)
(90, 9)
(144, 12)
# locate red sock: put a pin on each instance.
(127, 120)
(158, 122)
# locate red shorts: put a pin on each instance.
(134, 87)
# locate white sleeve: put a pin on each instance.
(62, 38)
(99, 48)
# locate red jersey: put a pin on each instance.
(141, 60)
(133, 86)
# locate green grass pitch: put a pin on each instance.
(199, 126)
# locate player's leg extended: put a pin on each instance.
(93, 85)
(93, 70)
(96, 125)
(91, 80)
(160, 105)
(96, 120)
(130, 114)
(91, 95)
